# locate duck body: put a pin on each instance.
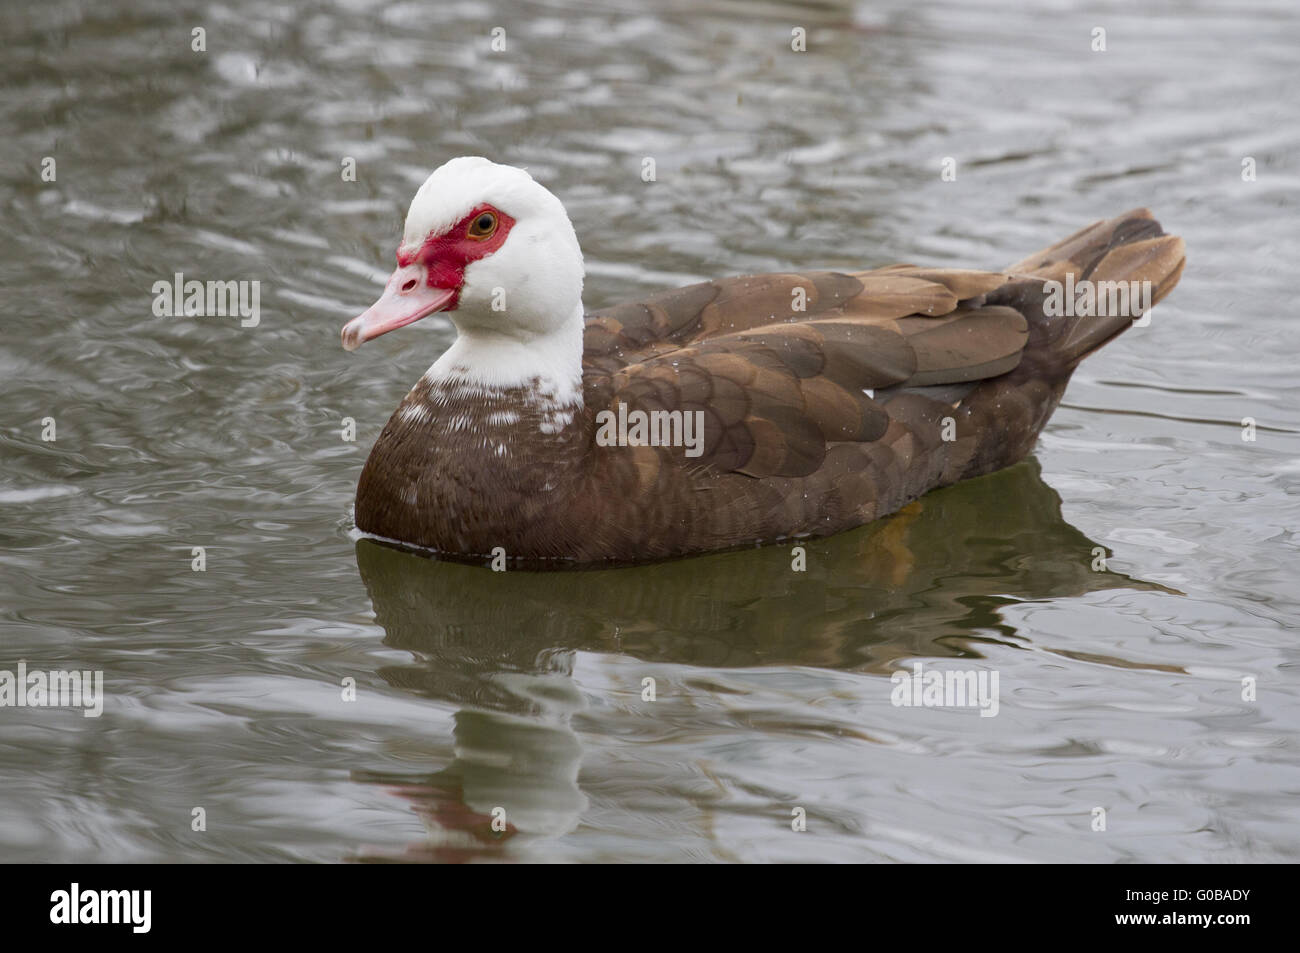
(821, 401)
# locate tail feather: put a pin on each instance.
(1128, 248)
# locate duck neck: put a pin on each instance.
(487, 363)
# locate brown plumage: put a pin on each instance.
(888, 384)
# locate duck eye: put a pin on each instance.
(483, 226)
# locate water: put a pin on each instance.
(1119, 689)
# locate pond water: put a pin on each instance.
(1121, 687)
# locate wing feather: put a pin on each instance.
(779, 387)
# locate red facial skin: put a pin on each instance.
(439, 263)
(446, 256)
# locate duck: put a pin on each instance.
(739, 412)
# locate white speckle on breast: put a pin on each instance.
(556, 420)
(416, 413)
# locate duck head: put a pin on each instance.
(490, 248)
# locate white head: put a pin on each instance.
(497, 252)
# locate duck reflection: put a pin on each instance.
(927, 582)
